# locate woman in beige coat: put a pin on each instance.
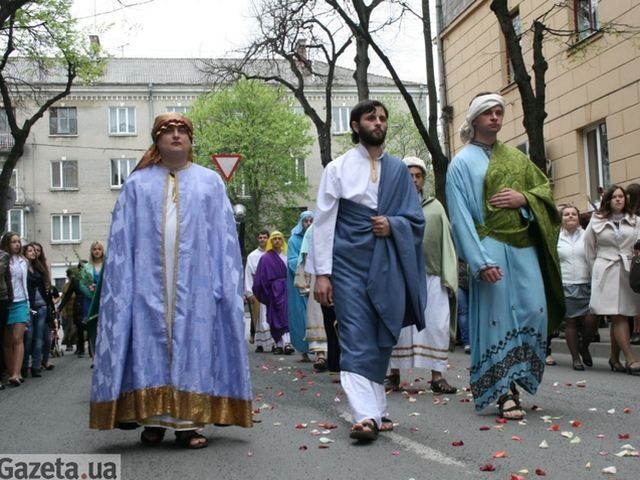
(609, 240)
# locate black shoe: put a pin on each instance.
(24, 373)
(634, 370)
(441, 386)
(259, 349)
(635, 339)
(578, 366)
(36, 372)
(616, 367)
(288, 349)
(392, 382)
(277, 350)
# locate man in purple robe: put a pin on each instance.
(270, 288)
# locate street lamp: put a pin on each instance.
(239, 214)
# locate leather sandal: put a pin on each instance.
(320, 365)
(510, 397)
(386, 424)
(441, 386)
(392, 382)
(365, 431)
(152, 435)
(191, 439)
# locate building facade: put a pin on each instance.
(592, 129)
(80, 153)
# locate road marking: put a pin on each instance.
(416, 447)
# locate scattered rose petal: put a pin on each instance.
(515, 476)
(328, 426)
(555, 384)
(575, 440)
(626, 410)
(301, 425)
(581, 383)
(325, 440)
(600, 435)
(500, 454)
(315, 431)
(336, 399)
(623, 436)
(626, 446)
(567, 434)
(576, 423)
(303, 447)
(567, 384)
(484, 428)
(603, 453)
(540, 472)
(612, 470)
(322, 445)
(276, 424)
(516, 438)
(414, 414)
(280, 393)
(501, 420)
(546, 418)
(457, 443)
(436, 401)
(612, 411)
(487, 467)
(414, 429)
(543, 444)
(593, 409)
(465, 400)
(412, 399)
(524, 471)
(587, 465)
(318, 395)
(395, 453)
(554, 427)
(249, 454)
(523, 422)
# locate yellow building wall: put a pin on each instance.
(597, 79)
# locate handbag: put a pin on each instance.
(634, 271)
(302, 279)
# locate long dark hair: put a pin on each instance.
(38, 265)
(633, 192)
(605, 204)
(5, 241)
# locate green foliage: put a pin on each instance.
(257, 121)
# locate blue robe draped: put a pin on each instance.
(507, 319)
(270, 288)
(201, 371)
(297, 302)
(379, 283)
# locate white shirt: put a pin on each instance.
(250, 270)
(18, 266)
(573, 263)
(348, 176)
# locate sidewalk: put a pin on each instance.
(598, 350)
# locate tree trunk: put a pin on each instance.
(362, 66)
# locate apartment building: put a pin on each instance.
(593, 84)
(80, 153)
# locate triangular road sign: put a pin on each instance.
(227, 164)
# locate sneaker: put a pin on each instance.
(467, 349)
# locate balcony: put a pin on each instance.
(6, 142)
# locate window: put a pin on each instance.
(6, 139)
(586, 18)
(120, 170)
(65, 228)
(340, 119)
(183, 110)
(300, 168)
(596, 153)
(63, 121)
(122, 120)
(515, 21)
(298, 110)
(64, 174)
(15, 222)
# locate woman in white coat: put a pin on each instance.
(609, 241)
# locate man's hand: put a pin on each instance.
(508, 198)
(249, 298)
(380, 226)
(491, 274)
(323, 290)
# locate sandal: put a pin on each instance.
(510, 397)
(320, 365)
(386, 424)
(442, 386)
(288, 349)
(550, 361)
(152, 435)
(365, 431)
(191, 439)
(392, 382)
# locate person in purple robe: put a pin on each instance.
(170, 347)
(270, 288)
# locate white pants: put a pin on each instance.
(367, 399)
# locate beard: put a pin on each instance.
(371, 138)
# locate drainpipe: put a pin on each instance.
(447, 113)
(151, 113)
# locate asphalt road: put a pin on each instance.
(50, 415)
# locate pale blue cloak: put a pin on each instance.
(204, 376)
(297, 303)
(507, 319)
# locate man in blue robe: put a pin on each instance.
(368, 261)
(170, 348)
(505, 226)
(297, 302)
(270, 288)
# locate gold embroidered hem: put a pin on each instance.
(165, 400)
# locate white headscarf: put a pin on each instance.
(478, 105)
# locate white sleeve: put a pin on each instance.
(324, 222)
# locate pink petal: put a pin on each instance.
(540, 472)
(623, 436)
(487, 467)
(576, 424)
(484, 428)
(500, 454)
(395, 453)
(457, 443)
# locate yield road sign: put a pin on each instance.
(226, 163)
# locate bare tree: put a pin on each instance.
(291, 34)
(428, 133)
(38, 40)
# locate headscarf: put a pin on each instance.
(479, 104)
(163, 122)
(299, 228)
(418, 162)
(273, 235)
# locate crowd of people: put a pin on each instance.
(377, 279)
(35, 321)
